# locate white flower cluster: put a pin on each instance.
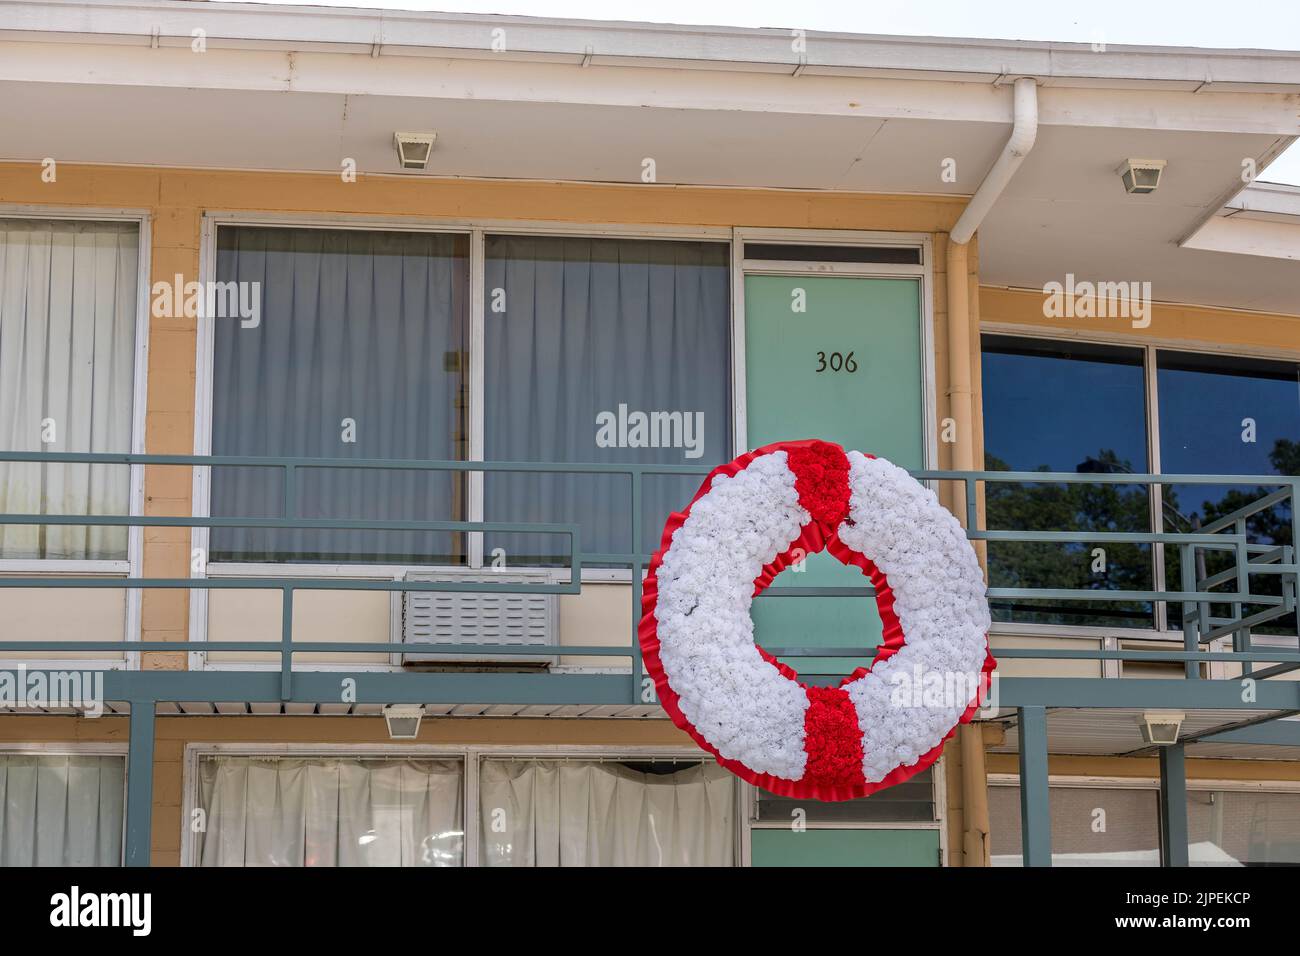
(939, 596)
(743, 705)
(735, 699)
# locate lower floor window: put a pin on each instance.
(1120, 826)
(596, 813)
(61, 809)
(408, 810)
(1091, 826)
(260, 811)
(1243, 828)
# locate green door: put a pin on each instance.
(841, 359)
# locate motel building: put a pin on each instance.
(352, 365)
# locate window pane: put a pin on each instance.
(1091, 826)
(1066, 407)
(69, 296)
(330, 812)
(1231, 416)
(591, 813)
(359, 353)
(910, 802)
(1229, 828)
(602, 350)
(61, 810)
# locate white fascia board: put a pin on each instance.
(167, 23)
(1248, 236)
(540, 82)
(1261, 200)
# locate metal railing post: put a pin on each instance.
(286, 642)
(1173, 806)
(1035, 813)
(139, 784)
(1192, 622)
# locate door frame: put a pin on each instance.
(923, 274)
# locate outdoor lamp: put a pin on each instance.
(1141, 176)
(1161, 727)
(403, 720)
(413, 149)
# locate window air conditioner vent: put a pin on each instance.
(447, 618)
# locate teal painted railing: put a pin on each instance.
(1203, 592)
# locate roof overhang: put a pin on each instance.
(118, 81)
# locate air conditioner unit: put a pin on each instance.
(447, 618)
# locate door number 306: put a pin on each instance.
(836, 362)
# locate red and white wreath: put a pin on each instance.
(750, 520)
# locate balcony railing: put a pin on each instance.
(1202, 593)
(1230, 587)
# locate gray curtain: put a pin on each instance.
(367, 326)
(576, 327)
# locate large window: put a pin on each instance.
(359, 352)
(345, 811)
(1244, 827)
(1051, 406)
(69, 301)
(601, 350)
(61, 809)
(1229, 416)
(1091, 826)
(613, 351)
(404, 809)
(1112, 825)
(1077, 407)
(599, 813)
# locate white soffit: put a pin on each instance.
(116, 81)
(1263, 220)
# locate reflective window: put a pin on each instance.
(1231, 416)
(1066, 407)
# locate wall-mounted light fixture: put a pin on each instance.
(1161, 727)
(413, 149)
(403, 720)
(1141, 176)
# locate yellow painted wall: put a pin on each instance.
(177, 200)
(1187, 325)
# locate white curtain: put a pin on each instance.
(330, 812)
(584, 813)
(61, 810)
(68, 302)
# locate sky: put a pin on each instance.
(1262, 24)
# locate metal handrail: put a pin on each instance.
(1225, 534)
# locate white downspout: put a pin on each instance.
(1024, 130)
